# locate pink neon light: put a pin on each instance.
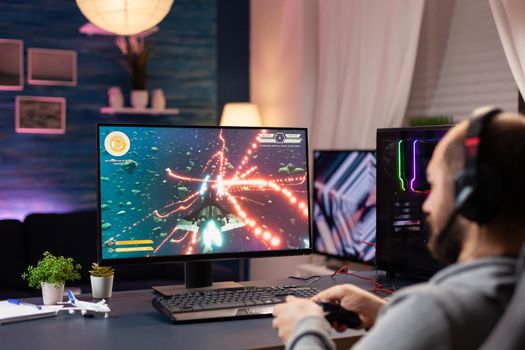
(413, 165)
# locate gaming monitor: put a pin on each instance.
(402, 232)
(344, 204)
(172, 193)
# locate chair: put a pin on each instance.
(509, 333)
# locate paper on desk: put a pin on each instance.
(13, 312)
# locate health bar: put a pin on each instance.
(141, 241)
(133, 249)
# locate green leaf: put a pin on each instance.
(52, 269)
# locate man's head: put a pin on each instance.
(503, 149)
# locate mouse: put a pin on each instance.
(336, 313)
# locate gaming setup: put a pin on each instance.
(199, 194)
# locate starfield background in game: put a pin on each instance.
(168, 191)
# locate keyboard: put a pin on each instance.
(227, 303)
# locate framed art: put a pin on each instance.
(51, 67)
(11, 64)
(40, 115)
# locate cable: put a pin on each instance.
(377, 286)
(312, 278)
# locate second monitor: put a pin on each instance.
(345, 204)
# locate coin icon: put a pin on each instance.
(117, 143)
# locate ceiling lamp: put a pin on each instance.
(125, 17)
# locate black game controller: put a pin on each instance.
(335, 313)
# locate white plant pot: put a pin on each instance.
(139, 99)
(158, 100)
(101, 287)
(51, 294)
(115, 97)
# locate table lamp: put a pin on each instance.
(241, 114)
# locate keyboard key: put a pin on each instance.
(221, 306)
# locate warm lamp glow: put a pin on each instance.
(241, 114)
(125, 17)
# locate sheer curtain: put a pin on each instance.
(509, 16)
(367, 52)
(342, 68)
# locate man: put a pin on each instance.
(458, 307)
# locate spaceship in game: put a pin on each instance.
(210, 219)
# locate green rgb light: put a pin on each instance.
(400, 165)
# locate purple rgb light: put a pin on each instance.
(413, 165)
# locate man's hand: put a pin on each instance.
(355, 299)
(288, 315)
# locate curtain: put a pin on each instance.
(283, 53)
(354, 78)
(509, 16)
(367, 51)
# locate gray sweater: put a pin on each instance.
(455, 309)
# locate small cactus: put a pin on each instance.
(101, 271)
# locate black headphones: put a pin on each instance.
(478, 187)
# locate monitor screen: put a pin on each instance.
(188, 193)
(344, 204)
(402, 233)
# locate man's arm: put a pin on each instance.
(311, 333)
(410, 321)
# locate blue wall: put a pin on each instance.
(57, 173)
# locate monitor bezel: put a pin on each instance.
(312, 200)
(392, 267)
(199, 257)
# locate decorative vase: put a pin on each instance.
(139, 99)
(101, 287)
(158, 100)
(115, 97)
(51, 294)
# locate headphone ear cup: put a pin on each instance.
(489, 193)
(462, 191)
(484, 200)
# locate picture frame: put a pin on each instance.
(40, 115)
(51, 67)
(11, 64)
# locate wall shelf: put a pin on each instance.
(130, 110)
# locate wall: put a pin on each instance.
(460, 63)
(233, 52)
(283, 73)
(57, 173)
(283, 65)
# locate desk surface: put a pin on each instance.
(134, 324)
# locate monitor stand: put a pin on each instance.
(198, 275)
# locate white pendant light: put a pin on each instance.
(125, 17)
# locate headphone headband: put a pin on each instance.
(472, 142)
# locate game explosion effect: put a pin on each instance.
(403, 156)
(169, 191)
(345, 204)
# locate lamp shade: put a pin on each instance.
(125, 17)
(241, 114)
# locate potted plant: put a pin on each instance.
(136, 55)
(101, 280)
(50, 274)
